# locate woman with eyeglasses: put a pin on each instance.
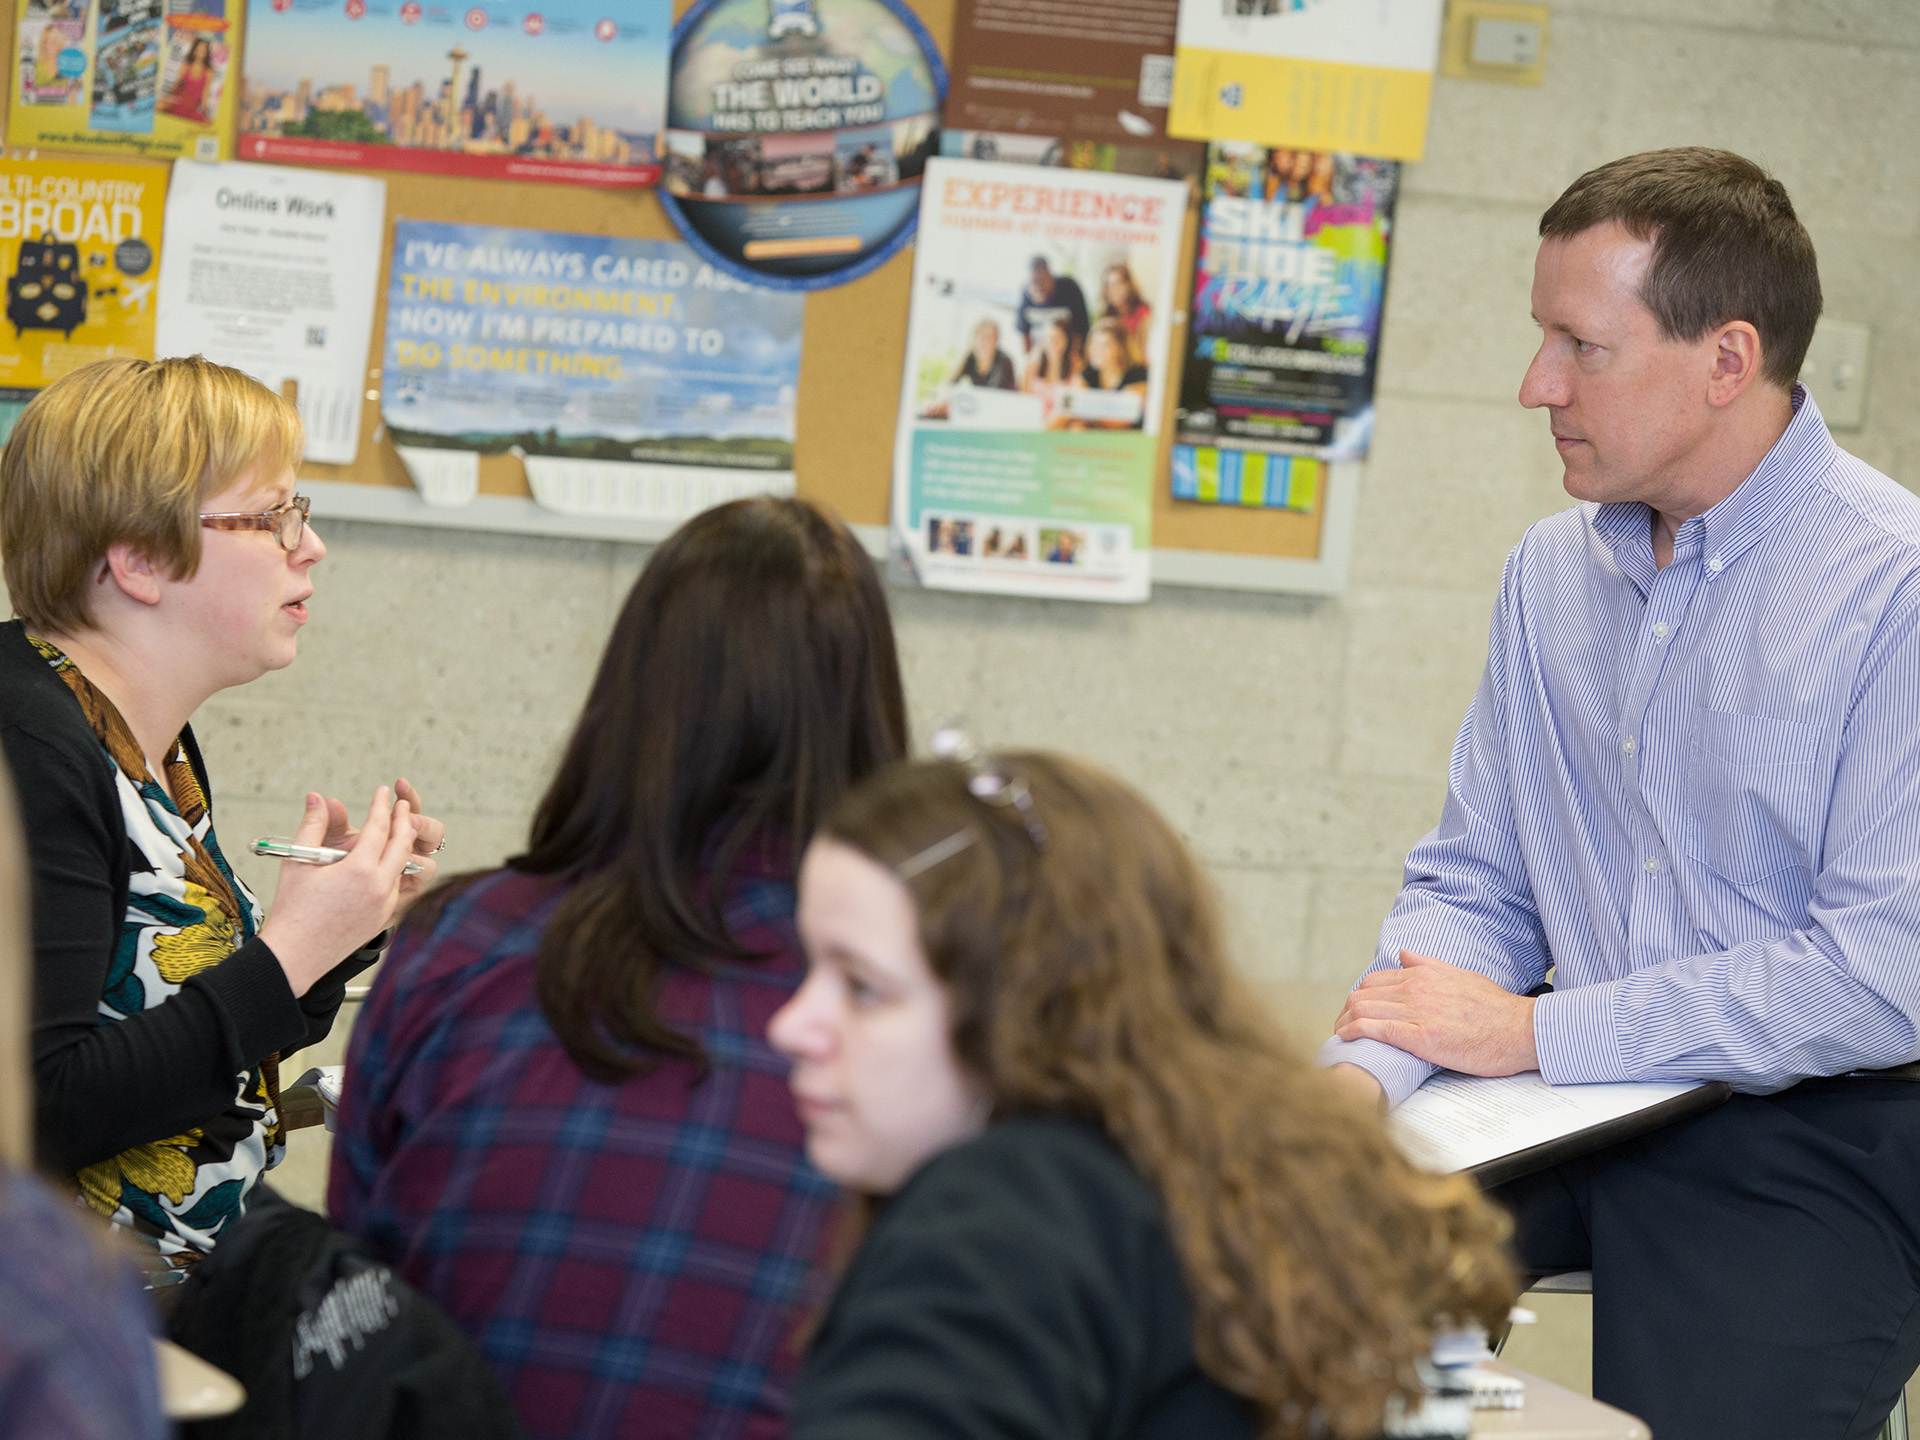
(1103, 1198)
(156, 554)
(561, 1117)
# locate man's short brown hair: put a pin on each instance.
(124, 451)
(1726, 246)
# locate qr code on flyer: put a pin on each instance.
(206, 147)
(1156, 81)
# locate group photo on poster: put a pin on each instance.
(1283, 344)
(1036, 363)
(563, 91)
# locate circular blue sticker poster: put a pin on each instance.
(797, 131)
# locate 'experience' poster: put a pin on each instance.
(1035, 374)
(1289, 280)
(150, 78)
(80, 250)
(631, 377)
(565, 90)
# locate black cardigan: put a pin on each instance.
(101, 1089)
(1021, 1286)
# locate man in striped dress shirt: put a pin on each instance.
(1690, 783)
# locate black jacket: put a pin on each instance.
(101, 1089)
(1021, 1286)
(329, 1343)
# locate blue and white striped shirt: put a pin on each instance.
(1695, 791)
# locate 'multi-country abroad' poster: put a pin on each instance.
(564, 90)
(1034, 382)
(80, 250)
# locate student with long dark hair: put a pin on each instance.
(561, 1120)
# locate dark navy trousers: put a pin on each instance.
(1756, 1271)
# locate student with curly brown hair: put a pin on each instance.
(1106, 1198)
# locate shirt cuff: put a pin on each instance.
(1575, 1037)
(1399, 1073)
(252, 989)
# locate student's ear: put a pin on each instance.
(1736, 362)
(133, 571)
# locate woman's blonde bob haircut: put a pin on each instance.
(1090, 980)
(124, 452)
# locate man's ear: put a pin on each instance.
(137, 574)
(1736, 362)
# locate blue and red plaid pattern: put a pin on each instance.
(76, 1348)
(630, 1258)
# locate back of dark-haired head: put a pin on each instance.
(750, 680)
(1726, 246)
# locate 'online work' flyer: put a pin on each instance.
(1036, 367)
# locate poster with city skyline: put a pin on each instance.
(560, 90)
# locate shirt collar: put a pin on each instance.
(1732, 527)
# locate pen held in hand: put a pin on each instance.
(275, 847)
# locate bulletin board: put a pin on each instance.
(854, 344)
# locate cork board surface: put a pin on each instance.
(853, 347)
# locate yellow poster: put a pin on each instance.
(153, 78)
(1307, 74)
(79, 253)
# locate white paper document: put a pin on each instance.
(1454, 1122)
(273, 271)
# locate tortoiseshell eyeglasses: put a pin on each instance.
(288, 522)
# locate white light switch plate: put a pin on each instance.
(1505, 42)
(1836, 372)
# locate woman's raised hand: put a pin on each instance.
(323, 913)
(428, 835)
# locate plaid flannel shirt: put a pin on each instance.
(76, 1357)
(631, 1259)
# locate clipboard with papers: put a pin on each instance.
(1500, 1129)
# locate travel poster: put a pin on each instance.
(1036, 371)
(798, 131)
(561, 90)
(274, 270)
(149, 78)
(632, 377)
(1038, 83)
(1284, 339)
(1352, 75)
(80, 250)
